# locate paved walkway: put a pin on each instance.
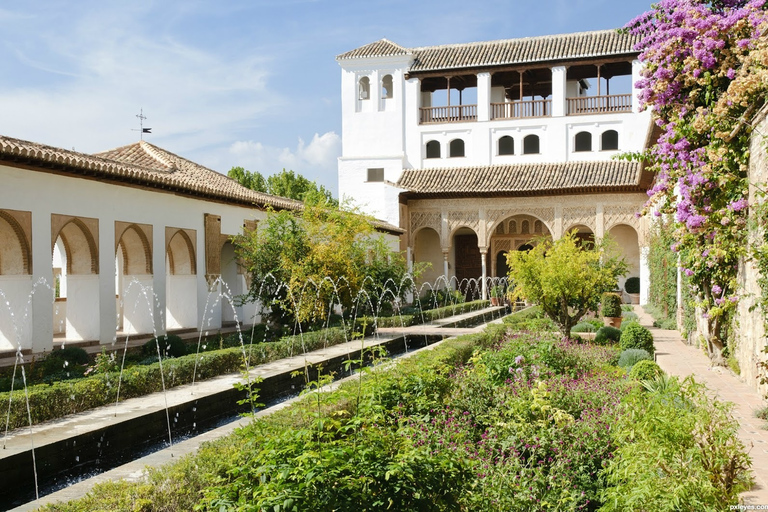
(678, 358)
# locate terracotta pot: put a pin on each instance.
(495, 301)
(612, 321)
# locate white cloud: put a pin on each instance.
(315, 160)
(95, 73)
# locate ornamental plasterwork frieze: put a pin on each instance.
(466, 218)
(621, 214)
(579, 215)
(425, 219)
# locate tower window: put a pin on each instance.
(376, 174)
(506, 145)
(433, 149)
(583, 142)
(364, 88)
(609, 140)
(456, 148)
(386, 87)
(531, 145)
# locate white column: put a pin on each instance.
(636, 67)
(559, 74)
(645, 275)
(445, 269)
(409, 258)
(483, 96)
(483, 263)
(42, 277)
(159, 278)
(107, 291)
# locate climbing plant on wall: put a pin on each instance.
(705, 75)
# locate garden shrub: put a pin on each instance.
(645, 370)
(637, 336)
(677, 449)
(611, 306)
(607, 335)
(632, 285)
(631, 356)
(73, 355)
(627, 324)
(170, 346)
(587, 326)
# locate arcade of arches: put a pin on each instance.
(77, 260)
(468, 242)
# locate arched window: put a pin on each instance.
(583, 142)
(526, 227)
(506, 145)
(364, 88)
(512, 227)
(531, 145)
(537, 226)
(609, 140)
(456, 148)
(386, 87)
(433, 149)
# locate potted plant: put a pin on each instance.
(612, 309)
(632, 287)
(497, 292)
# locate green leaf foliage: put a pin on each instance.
(565, 277)
(637, 336)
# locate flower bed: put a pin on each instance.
(518, 421)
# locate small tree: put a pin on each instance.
(301, 264)
(565, 277)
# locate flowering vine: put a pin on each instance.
(705, 75)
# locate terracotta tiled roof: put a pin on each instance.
(507, 52)
(380, 48)
(525, 179)
(144, 164)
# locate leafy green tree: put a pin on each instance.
(565, 277)
(284, 184)
(253, 180)
(303, 263)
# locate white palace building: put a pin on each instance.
(474, 149)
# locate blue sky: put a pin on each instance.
(230, 82)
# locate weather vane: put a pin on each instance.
(141, 129)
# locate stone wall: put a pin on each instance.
(750, 335)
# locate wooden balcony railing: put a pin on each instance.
(452, 114)
(521, 109)
(599, 104)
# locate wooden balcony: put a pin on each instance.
(521, 109)
(452, 114)
(599, 104)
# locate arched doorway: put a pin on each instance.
(627, 240)
(76, 278)
(135, 290)
(180, 279)
(468, 265)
